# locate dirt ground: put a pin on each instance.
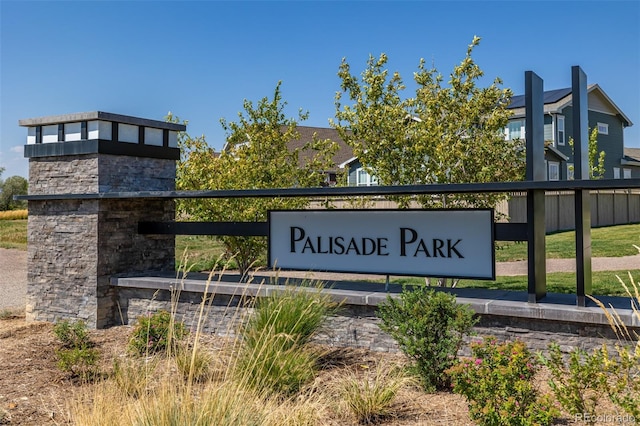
(33, 391)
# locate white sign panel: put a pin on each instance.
(435, 243)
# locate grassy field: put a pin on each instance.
(13, 234)
(203, 252)
(610, 241)
(604, 283)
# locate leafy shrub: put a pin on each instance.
(623, 368)
(275, 355)
(72, 334)
(77, 355)
(624, 372)
(429, 327)
(156, 333)
(498, 385)
(578, 381)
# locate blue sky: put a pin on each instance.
(201, 59)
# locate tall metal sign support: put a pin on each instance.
(534, 136)
(582, 196)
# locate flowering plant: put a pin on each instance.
(498, 385)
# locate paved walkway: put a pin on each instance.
(13, 272)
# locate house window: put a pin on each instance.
(514, 130)
(561, 133)
(616, 172)
(570, 169)
(627, 173)
(363, 178)
(554, 170)
(603, 129)
(548, 134)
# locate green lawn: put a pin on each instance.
(603, 282)
(610, 241)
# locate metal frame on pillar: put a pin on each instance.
(582, 196)
(535, 172)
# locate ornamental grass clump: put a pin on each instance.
(497, 382)
(368, 395)
(429, 326)
(274, 353)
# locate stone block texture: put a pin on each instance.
(355, 326)
(75, 246)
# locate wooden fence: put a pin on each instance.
(608, 207)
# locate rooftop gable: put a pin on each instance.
(556, 100)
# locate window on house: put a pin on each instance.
(363, 178)
(554, 170)
(548, 134)
(627, 173)
(616, 172)
(561, 132)
(570, 169)
(514, 130)
(603, 129)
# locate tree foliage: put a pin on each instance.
(14, 185)
(595, 158)
(256, 156)
(450, 133)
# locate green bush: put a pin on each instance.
(580, 379)
(275, 355)
(155, 333)
(72, 334)
(498, 385)
(77, 355)
(429, 327)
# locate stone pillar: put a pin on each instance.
(78, 237)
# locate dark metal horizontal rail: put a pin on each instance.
(503, 231)
(454, 188)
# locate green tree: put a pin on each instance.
(594, 158)
(450, 133)
(14, 185)
(256, 156)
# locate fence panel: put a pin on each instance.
(608, 207)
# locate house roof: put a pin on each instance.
(556, 100)
(631, 157)
(550, 97)
(306, 134)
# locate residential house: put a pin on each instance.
(343, 153)
(620, 162)
(603, 113)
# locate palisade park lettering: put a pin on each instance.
(411, 244)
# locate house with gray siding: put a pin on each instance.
(603, 113)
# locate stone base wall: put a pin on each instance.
(356, 325)
(76, 246)
(62, 260)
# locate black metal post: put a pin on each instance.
(534, 135)
(582, 197)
